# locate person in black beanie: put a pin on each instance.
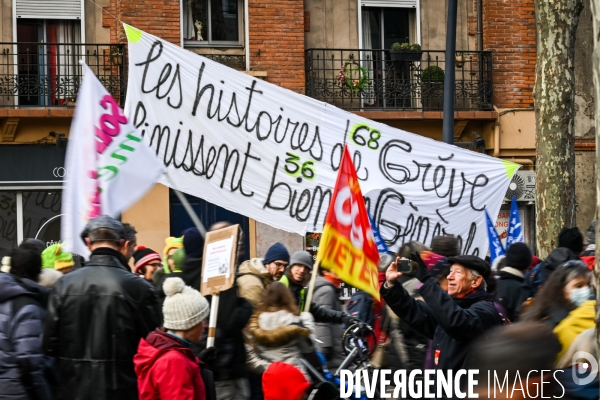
(512, 290)
(572, 239)
(193, 243)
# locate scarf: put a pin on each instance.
(472, 297)
(337, 282)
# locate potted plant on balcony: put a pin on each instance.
(405, 52)
(432, 88)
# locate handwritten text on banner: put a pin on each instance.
(272, 154)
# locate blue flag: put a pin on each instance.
(496, 249)
(515, 229)
(381, 246)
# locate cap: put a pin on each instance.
(103, 222)
(302, 258)
(472, 262)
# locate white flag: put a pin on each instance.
(110, 166)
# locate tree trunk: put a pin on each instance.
(595, 6)
(554, 100)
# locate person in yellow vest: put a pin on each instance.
(296, 277)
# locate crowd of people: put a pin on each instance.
(130, 322)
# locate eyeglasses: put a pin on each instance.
(280, 265)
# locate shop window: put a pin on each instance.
(41, 215)
(8, 222)
(29, 214)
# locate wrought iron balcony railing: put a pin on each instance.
(231, 60)
(355, 79)
(49, 74)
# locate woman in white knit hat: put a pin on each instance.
(165, 365)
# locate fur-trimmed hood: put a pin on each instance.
(279, 328)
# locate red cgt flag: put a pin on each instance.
(347, 246)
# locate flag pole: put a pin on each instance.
(188, 208)
(311, 286)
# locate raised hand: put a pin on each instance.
(392, 274)
(422, 273)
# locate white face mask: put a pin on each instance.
(580, 295)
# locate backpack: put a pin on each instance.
(209, 382)
(533, 278)
(360, 306)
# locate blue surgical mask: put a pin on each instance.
(580, 295)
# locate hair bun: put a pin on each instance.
(172, 286)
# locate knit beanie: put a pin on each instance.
(277, 252)
(143, 256)
(572, 239)
(284, 381)
(54, 257)
(518, 255)
(193, 243)
(171, 243)
(302, 258)
(178, 258)
(34, 244)
(184, 307)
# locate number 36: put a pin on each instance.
(294, 166)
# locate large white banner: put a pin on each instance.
(110, 167)
(272, 154)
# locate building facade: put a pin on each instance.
(297, 44)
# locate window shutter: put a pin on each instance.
(390, 3)
(49, 9)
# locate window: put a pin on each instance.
(390, 24)
(212, 22)
(48, 60)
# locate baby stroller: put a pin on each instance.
(359, 343)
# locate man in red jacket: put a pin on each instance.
(165, 365)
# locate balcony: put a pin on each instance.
(45, 75)
(370, 80)
(234, 61)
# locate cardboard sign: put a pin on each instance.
(218, 262)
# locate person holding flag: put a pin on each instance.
(294, 278)
(347, 245)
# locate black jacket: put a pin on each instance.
(451, 323)
(96, 318)
(234, 314)
(511, 292)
